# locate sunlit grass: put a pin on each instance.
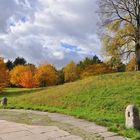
(102, 99)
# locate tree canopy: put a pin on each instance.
(47, 75)
(121, 27)
(19, 61)
(71, 72)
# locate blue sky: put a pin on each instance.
(53, 31)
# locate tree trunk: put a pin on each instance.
(138, 57)
(137, 49)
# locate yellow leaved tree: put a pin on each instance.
(131, 66)
(46, 75)
(71, 72)
(120, 20)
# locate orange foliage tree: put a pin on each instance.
(15, 75)
(3, 75)
(23, 76)
(47, 75)
(71, 72)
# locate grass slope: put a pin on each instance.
(100, 98)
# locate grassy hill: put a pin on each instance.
(102, 99)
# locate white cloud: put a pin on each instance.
(36, 29)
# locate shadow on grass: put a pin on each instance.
(19, 93)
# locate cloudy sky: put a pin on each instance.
(53, 31)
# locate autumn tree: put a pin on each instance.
(71, 72)
(3, 75)
(23, 76)
(47, 75)
(121, 22)
(15, 75)
(131, 66)
(27, 78)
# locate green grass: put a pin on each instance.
(102, 99)
(11, 90)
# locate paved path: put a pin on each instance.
(14, 131)
(54, 133)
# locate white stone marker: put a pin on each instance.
(4, 101)
(132, 119)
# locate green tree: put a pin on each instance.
(19, 61)
(96, 60)
(116, 65)
(88, 61)
(61, 77)
(9, 65)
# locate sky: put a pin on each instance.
(52, 31)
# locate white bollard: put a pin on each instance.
(132, 119)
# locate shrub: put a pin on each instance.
(95, 69)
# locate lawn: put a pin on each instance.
(102, 99)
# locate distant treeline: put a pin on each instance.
(19, 73)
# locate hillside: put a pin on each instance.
(100, 98)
